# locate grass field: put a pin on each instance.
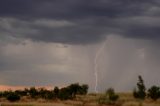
(126, 99)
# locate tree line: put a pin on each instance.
(70, 92)
(65, 93)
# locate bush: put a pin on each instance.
(111, 95)
(65, 94)
(83, 89)
(113, 98)
(154, 92)
(74, 89)
(109, 98)
(49, 95)
(135, 94)
(13, 97)
(6, 93)
(56, 91)
(103, 100)
(21, 92)
(33, 92)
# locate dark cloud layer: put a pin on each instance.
(86, 21)
(63, 9)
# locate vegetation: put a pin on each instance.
(56, 91)
(33, 92)
(140, 92)
(109, 98)
(65, 93)
(72, 90)
(111, 95)
(76, 95)
(12, 96)
(154, 92)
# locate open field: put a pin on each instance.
(126, 99)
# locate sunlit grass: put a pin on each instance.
(126, 99)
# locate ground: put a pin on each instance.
(126, 99)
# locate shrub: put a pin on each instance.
(68, 92)
(73, 89)
(1, 94)
(13, 97)
(21, 92)
(83, 89)
(154, 92)
(56, 91)
(33, 92)
(49, 95)
(103, 100)
(109, 98)
(64, 94)
(111, 95)
(6, 93)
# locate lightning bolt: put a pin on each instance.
(98, 53)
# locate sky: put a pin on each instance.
(55, 42)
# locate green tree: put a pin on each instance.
(33, 92)
(154, 92)
(56, 91)
(73, 89)
(83, 90)
(65, 94)
(6, 93)
(42, 93)
(49, 95)
(12, 96)
(140, 92)
(1, 94)
(21, 92)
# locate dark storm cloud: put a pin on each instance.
(92, 20)
(63, 9)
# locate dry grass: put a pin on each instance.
(33, 104)
(126, 99)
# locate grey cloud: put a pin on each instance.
(51, 31)
(73, 8)
(85, 21)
